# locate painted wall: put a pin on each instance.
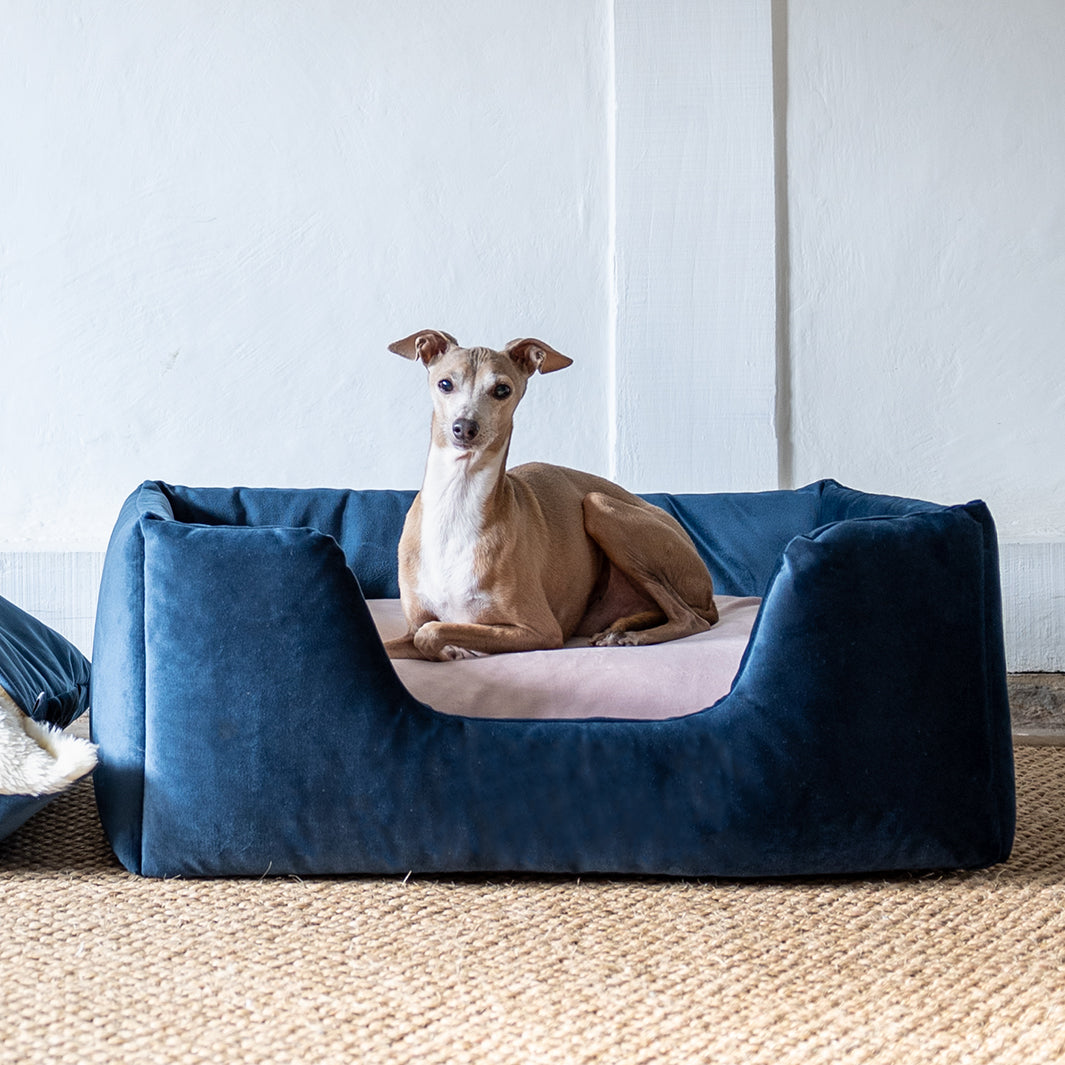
(926, 196)
(220, 214)
(926, 158)
(695, 231)
(217, 215)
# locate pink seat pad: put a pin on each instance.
(636, 683)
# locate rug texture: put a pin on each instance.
(99, 966)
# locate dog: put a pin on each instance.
(492, 560)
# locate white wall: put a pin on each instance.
(927, 199)
(695, 364)
(926, 193)
(217, 215)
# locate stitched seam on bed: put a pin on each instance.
(141, 613)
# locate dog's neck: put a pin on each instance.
(460, 486)
(458, 499)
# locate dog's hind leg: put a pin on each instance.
(659, 560)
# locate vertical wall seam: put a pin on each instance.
(783, 407)
(613, 463)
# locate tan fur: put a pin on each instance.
(493, 561)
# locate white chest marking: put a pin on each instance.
(453, 501)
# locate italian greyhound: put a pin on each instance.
(493, 561)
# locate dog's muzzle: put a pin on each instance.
(464, 431)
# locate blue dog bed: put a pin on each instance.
(249, 721)
(44, 686)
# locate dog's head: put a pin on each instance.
(475, 390)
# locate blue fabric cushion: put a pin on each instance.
(49, 680)
(249, 720)
(42, 671)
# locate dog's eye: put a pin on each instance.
(445, 384)
(501, 391)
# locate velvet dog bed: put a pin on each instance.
(250, 723)
(44, 686)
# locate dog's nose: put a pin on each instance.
(464, 430)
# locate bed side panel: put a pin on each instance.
(268, 702)
(117, 686)
(741, 535)
(862, 710)
(367, 523)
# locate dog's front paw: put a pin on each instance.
(429, 640)
(612, 638)
(450, 653)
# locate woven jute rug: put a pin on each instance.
(100, 966)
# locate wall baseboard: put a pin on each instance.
(1033, 605)
(60, 588)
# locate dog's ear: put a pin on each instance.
(426, 345)
(532, 355)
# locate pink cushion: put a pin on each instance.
(643, 683)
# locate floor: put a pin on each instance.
(1037, 706)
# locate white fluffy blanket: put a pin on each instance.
(38, 759)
